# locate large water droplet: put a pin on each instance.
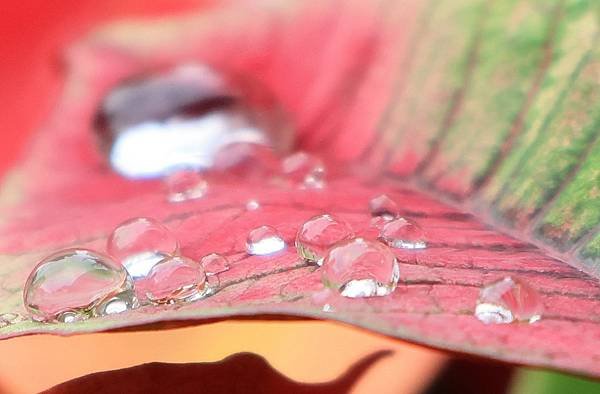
(140, 243)
(361, 268)
(304, 170)
(403, 234)
(382, 205)
(318, 234)
(508, 300)
(173, 279)
(264, 240)
(70, 284)
(185, 185)
(181, 118)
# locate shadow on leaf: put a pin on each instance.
(239, 373)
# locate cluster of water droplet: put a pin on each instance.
(143, 264)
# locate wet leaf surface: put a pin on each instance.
(390, 96)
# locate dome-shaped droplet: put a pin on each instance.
(382, 205)
(182, 117)
(264, 240)
(360, 268)
(70, 284)
(140, 243)
(318, 234)
(252, 205)
(403, 234)
(214, 263)
(173, 279)
(508, 300)
(185, 185)
(304, 170)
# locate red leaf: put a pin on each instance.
(65, 195)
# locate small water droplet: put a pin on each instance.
(9, 318)
(382, 205)
(72, 283)
(185, 185)
(508, 300)
(140, 243)
(379, 221)
(318, 234)
(361, 268)
(264, 240)
(118, 304)
(71, 317)
(172, 280)
(403, 234)
(252, 205)
(214, 264)
(304, 170)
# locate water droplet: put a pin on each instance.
(185, 185)
(507, 300)
(118, 304)
(140, 243)
(264, 240)
(71, 317)
(9, 318)
(318, 234)
(403, 234)
(382, 205)
(214, 264)
(361, 268)
(252, 205)
(379, 221)
(304, 170)
(174, 279)
(181, 118)
(71, 283)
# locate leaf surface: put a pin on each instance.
(482, 127)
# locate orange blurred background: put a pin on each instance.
(33, 33)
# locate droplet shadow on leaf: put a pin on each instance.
(239, 373)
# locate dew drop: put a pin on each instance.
(118, 304)
(140, 243)
(379, 221)
(318, 234)
(508, 300)
(214, 263)
(185, 185)
(252, 205)
(182, 117)
(361, 268)
(264, 240)
(9, 318)
(403, 234)
(172, 280)
(69, 284)
(304, 170)
(384, 206)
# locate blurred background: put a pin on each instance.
(33, 33)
